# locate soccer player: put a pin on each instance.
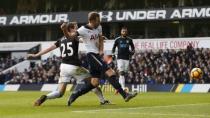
(93, 40)
(70, 66)
(123, 44)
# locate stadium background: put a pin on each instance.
(158, 60)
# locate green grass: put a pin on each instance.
(146, 105)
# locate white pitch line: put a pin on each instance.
(92, 111)
(160, 114)
(170, 114)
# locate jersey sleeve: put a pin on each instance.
(100, 30)
(132, 45)
(115, 45)
(57, 43)
(81, 31)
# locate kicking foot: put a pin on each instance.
(130, 96)
(106, 102)
(41, 100)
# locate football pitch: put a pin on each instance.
(145, 105)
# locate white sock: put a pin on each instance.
(122, 81)
(98, 92)
(53, 95)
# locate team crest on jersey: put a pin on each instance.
(127, 41)
(94, 37)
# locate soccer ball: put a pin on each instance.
(196, 73)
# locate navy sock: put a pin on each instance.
(115, 83)
(79, 90)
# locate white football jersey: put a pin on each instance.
(90, 38)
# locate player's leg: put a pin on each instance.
(65, 75)
(59, 92)
(65, 71)
(125, 71)
(82, 88)
(95, 72)
(115, 83)
(100, 95)
(84, 83)
(97, 90)
(120, 67)
(101, 66)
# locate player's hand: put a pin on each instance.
(31, 55)
(64, 26)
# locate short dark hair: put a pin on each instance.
(124, 27)
(93, 16)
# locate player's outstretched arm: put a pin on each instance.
(52, 47)
(67, 34)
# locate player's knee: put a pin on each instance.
(95, 82)
(62, 89)
(61, 94)
(110, 72)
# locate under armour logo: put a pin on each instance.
(107, 16)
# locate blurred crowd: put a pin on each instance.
(146, 67)
(8, 62)
(46, 71)
(169, 66)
